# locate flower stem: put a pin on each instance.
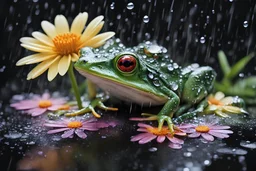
(74, 86)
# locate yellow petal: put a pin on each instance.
(79, 23)
(29, 40)
(40, 68)
(99, 39)
(232, 109)
(35, 58)
(91, 26)
(49, 29)
(53, 70)
(93, 32)
(221, 114)
(219, 95)
(64, 64)
(227, 100)
(37, 48)
(61, 24)
(42, 38)
(74, 57)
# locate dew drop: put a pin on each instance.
(202, 40)
(245, 24)
(145, 19)
(130, 6)
(150, 75)
(152, 149)
(112, 5)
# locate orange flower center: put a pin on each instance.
(66, 43)
(202, 128)
(213, 101)
(163, 131)
(75, 124)
(44, 103)
(64, 107)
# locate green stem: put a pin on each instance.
(74, 86)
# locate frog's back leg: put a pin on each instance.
(198, 85)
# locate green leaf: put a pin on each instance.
(223, 63)
(239, 66)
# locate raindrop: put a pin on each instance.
(207, 162)
(245, 24)
(187, 154)
(145, 19)
(130, 6)
(112, 5)
(13, 135)
(152, 149)
(202, 40)
(232, 151)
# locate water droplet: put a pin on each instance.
(112, 5)
(145, 19)
(170, 67)
(130, 6)
(248, 144)
(175, 86)
(232, 151)
(245, 24)
(156, 82)
(150, 75)
(13, 135)
(207, 162)
(152, 149)
(202, 40)
(187, 154)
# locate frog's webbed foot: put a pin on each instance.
(95, 103)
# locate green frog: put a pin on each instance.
(145, 75)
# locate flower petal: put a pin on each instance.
(61, 24)
(53, 70)
(223, 131)
(232, 109)
(64, 65)
(40, 68)
(219, 95)
(227, 100)
(93, 33)
(49, 29)
(78, 23)
(35, 58)
(175, 146)
(144, 125)
(194, 135)
(43, 38)
(80, 133)
(221, 114)
(207, 136)
(61, 125)
(68, 133)
(99, 39)
(218, 127)
(139, 136)
(37, 111)
(160, 139)
(175, 140)
(30, 40)
(57, 130)
(147, 139)
(38, 48)
(74, 57)
(218, 135)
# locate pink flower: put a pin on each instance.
(207, 131)
(38, 105)
(150, 133)
(75, 126)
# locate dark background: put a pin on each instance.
(178, 25)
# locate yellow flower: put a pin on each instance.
(61, 43)
(220, 105)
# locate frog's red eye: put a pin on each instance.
(126, 63)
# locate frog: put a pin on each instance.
(146, 75)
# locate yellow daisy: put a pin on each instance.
(220, 105)
(61, 43)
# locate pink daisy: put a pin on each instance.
(38, 105)
(69, 127)
(150, 133)
(207, 131)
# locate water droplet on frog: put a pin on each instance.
(152, 149)
(130, 6)
(170, 67)
(175, 86)
(175, 66)
(202, 40)
(245, 24)
(241, 75)
(112, 5)
(145, 19)
(150, 75)
(156, 82)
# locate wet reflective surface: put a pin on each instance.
(192, 32)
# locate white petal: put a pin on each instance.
(227, 100)
(79, 23)
(42, 38)
(37, 48)
(61, 24)
(53, 70)
(29, 40)
(49, 29)
(219, 95)
(35, 58)
(99, 39)
(74, 57)
(93, 33)
(64, 64)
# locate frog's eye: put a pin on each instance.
(126, 63)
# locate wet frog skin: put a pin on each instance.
(146, 75)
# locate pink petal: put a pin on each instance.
(142, 130)
(189, 130)
(185, 126)
(147, 139)
(57, 130)
(144, 125)
(54, 125)
(218, 135)
(89, 128)
(89, 120)
(140, 136)
(181, 133)
(46, 96)
(207, 136)
(68, 133)
(175, 140)
(80, 133)
(139, 119)
(223, 131)
(36, 111)
(101, 125)
(219, 127)
(175, 146)
(59, 101)
(160, 139)
(194, 135)
(54, 107)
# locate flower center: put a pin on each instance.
(44, 103)
(66, 43)
(163, 131)
(64, 107)
(75, 124)
(202, 128)
(213, 101)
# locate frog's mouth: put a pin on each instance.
(124, 92)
